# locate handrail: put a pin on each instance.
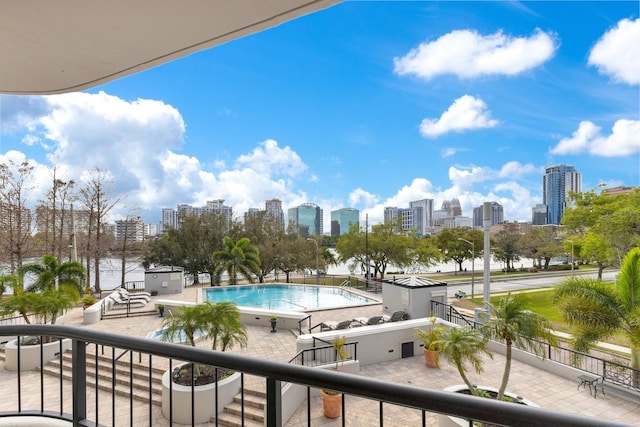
(469, 407)
(345, 283)
(300, 323)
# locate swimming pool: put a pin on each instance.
(287, 297)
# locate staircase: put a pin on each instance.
(125, 375)
(254, 404)
(254, 400)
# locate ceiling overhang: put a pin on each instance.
(49, 47)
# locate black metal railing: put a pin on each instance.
(325, 355)
(611, 371)
(76, 406)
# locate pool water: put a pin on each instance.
(181, 338)
(287, 297)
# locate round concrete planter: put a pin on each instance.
(204, 399)
(448, 421)
(30, 354)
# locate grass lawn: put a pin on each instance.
(542, 303)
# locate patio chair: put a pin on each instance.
(332, 325)
(119, 302)
(367, 321)
(396, 316)
(134, 295)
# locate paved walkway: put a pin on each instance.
(547, 390)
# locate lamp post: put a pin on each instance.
(317, 259)
(473, 264)
(571, 241)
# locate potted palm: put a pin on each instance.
(161, 310)
(274, 322)
(331, 399)
(432, 343)
(55, 290)
(219, 322)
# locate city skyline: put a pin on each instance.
(361, 106)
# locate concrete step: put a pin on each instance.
(254, 404)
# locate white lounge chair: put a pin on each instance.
(134, 295)
(119, 302)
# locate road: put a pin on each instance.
(519, 283)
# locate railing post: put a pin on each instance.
(79, 380)
(274, 403)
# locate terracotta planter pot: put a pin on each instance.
(332, 404)
(431, 358)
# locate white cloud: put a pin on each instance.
(362, 197)
(465, 113)
(465, 177)
(469, 54)
(515, 169)
(617, 52)
(623, 141)
(137, 142)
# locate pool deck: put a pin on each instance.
(547, 390)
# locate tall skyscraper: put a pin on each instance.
(342, 219)
(306, 219)
(422, 216)
(274, 211)
(497, 214)
(557, 182)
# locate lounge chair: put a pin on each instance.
(119, 302)
(133, 295)
(332, 325)
(366, 321)
(396, 316)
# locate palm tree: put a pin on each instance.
(461, 345)
(237, 258)
(513, 323)
(20, 302)
(50, 273)
(597, 310)
(218, 321)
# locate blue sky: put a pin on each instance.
(365, 105)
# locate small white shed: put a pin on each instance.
(164, 280)
(412, 294)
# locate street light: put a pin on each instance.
(473, 265)
(317, 260)
(571, 241)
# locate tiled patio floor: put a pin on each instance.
(547, 390)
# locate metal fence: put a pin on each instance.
(76, 400)
(613, 371)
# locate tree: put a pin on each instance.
(96, 197)
(453, 248)
(218, 321)
(539, 244)
(611, 222)
(513, 323)
(598, 310)
(50, 274)
(507, 245)
(237, 258)
(15, 227)
(460, 346)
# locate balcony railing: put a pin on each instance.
(86, 401)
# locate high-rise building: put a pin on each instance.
(219, 207)
(497, 215)
(306, 219)
(169, 219)
(274, 211)
(452, 206)
(342, 219)
(539, 214)
(557, 183)
(131, 229)
(423, 216)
